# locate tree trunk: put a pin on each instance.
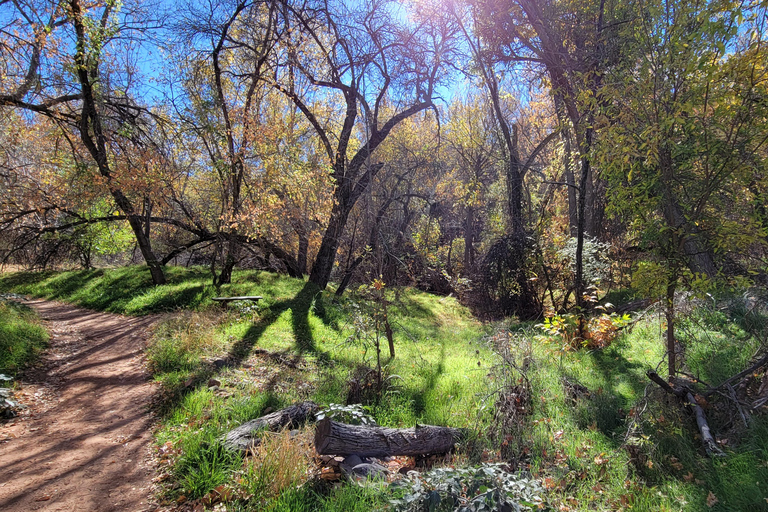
(694, 246)
(670, 317)
(225, 276)
(469, 238)
(135, 221)
(332, 438)
(573, 209)
(245, 437)
(579, 284)
(301, 256)
(95, 141)
(323, 266)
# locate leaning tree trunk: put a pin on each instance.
(93, 138)
(332, 438)
(326, 255)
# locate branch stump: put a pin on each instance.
(246, 436)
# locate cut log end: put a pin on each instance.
(322, 435)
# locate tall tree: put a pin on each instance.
(685, 152)
(573, 43)
(58, 65)
(381, 66)
(223, 87)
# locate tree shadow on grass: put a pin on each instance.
(299, 307)
(601, 404)
(307, 299)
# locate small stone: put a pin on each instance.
(353, 460)
(349, 463)
(214, 383)
(325, 459)
(369, 471)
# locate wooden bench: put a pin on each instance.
(226, 300)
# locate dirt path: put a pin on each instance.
(84, 442)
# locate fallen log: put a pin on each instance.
(333, 438)
(710, 446)
(246, 436)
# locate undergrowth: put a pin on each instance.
(583, 423)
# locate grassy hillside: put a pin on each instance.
(584, 423)
(21, 337)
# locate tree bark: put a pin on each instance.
(301, 256)
(332, 438)
(323, 266)
(694, 245)
(670, 317)
(245, 437)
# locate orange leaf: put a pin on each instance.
(600, 459)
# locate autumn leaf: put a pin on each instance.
(676, 463)
(711, 500)
(601, 459)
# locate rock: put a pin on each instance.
(214, 383)
(219, 363)
(353, 460)
(369, 471)
(349, 463)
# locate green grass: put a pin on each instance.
(129, 290)
(297, 346)
(21, 337)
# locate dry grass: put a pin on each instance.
(195, 332)
(282, 461)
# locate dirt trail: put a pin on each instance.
(84, 442)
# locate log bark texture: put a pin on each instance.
(246, 436)
(333, 438)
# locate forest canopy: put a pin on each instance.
(525, 155)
